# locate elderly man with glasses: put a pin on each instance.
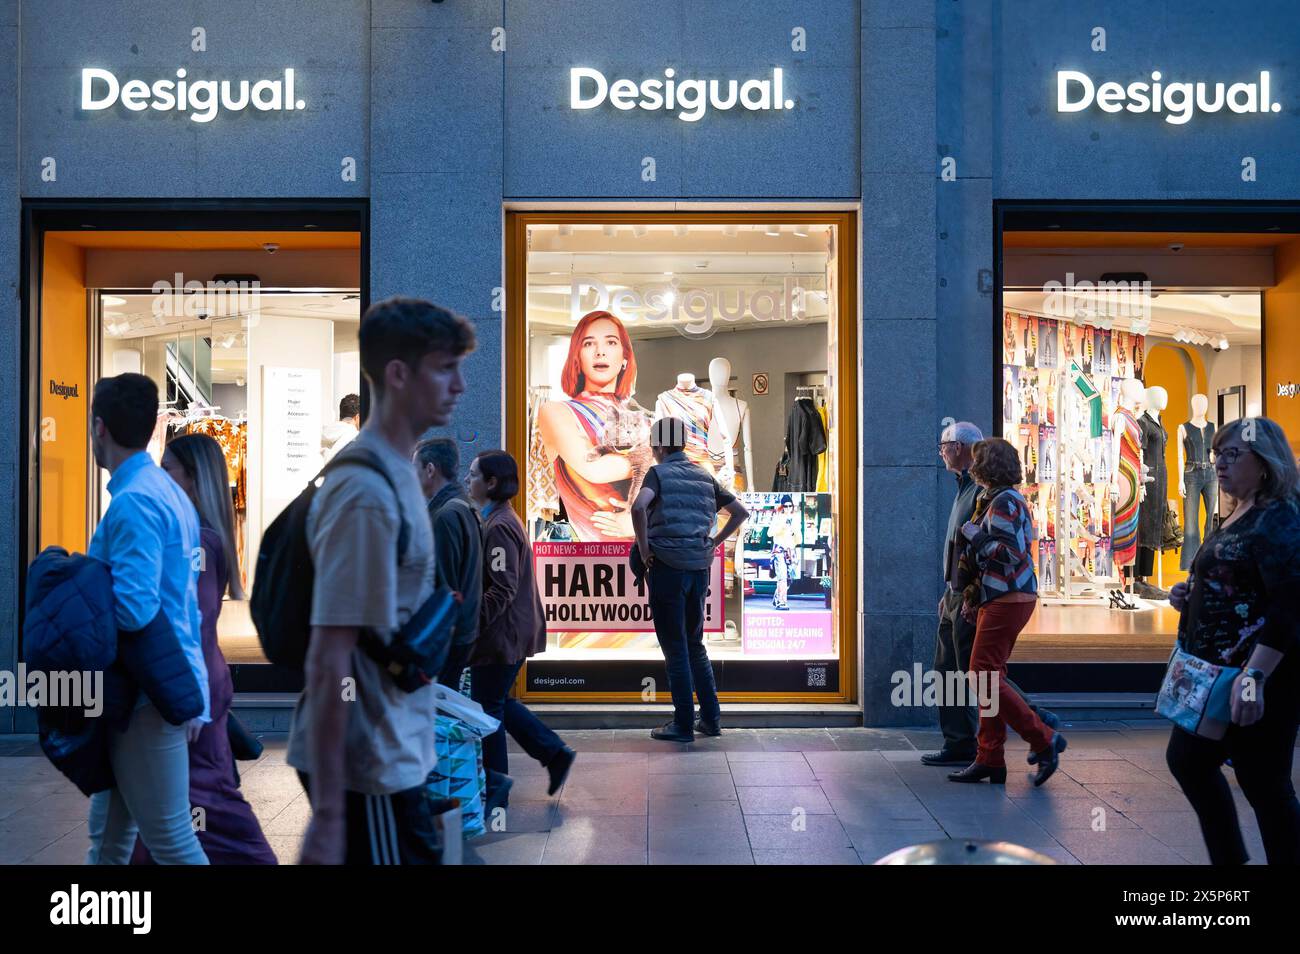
(957, 719)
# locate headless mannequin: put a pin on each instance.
(1201, 474)
(1152, 510)
(1200, 406)
(697, 406)
(732, 418)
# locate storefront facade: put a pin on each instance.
(843, 192)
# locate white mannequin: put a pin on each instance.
(1133, 398)
(1157, 401)
(685, 381)
(1200, 406)
(732, 418)
(703, 411)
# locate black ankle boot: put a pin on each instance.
(975, 772)
(1048, 760)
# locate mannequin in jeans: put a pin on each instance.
(1196, 480)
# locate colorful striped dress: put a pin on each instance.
(581, 497)
(1128, 480)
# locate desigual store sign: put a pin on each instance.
(1178, 101)
(690, 99)
(203, 99)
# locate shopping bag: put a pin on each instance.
(1196, 695)
(459, 773)
(451, 703)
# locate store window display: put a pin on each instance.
(691, 337)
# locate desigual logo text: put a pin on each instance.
(1179, 101)
(202, 99)
(64, 391)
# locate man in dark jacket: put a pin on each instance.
(673, 516)
(457, 545)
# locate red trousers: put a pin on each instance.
(996, 629)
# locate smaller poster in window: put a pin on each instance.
(1101, 353)
(1046, 454)
(1047, 343)
(789, 576)
(1030, 400)
(1027, 446)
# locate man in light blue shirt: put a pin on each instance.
(149, 537)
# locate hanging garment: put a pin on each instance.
(1090, 394)
(581, 497)
(805, 438)
(823, 460)
(1124, 537)
(696, 407)
(1151, 511)
(543, 497)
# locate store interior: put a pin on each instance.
(1112, 394)
(730, 327)
(251, 338)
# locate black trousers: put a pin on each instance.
(952, 647)
(1261, 756)
(396, 829)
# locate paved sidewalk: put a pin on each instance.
(753, 796)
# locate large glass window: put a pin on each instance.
(733, 329)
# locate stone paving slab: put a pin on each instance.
(752, 796)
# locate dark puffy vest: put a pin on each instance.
(683, 515)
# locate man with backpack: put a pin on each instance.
(673, 517)
(364, 744)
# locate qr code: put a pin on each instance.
(816, 677)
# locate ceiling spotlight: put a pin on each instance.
(801, 231)
(610, 231)
(729, 231)
(1223, 344)
(772, 230)
(701, 264)
(638, 230)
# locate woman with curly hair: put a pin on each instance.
(999, 590)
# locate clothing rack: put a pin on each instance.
(817, 392)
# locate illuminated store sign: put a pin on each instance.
(691, 98)
(202, 99)
(1075, 92)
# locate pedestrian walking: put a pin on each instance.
(673, 516)
(1238, 608)
(227, 828)
(512, 627)
(148, 538)
(958, 719)
(362, 744)
(999, 592)
(457, 545)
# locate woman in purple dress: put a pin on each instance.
(227, 827)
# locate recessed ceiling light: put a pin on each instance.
(772, 230)
(801, 231)
(638, 230)
(701, 264)
(729, 231)
(610, 231)
(680, 231)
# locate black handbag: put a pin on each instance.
(245, 746)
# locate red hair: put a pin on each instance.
(573, 381)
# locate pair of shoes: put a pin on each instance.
(783, 606)
(558, 768)
(946, 756)
(1048, 760)
(498, 793)
(1119, 601)
(708, 728)
(975, 772)
(672, 732)
(1049, 718)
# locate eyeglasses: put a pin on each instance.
(1229, 456)
(943, 444)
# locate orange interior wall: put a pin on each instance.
(64, 439)
(1282, 341)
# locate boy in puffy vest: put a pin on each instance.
(673, 516)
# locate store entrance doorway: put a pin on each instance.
(249, 332)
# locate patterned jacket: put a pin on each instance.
(999, 560)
